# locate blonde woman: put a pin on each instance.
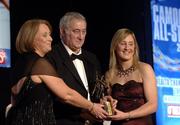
(132, 82)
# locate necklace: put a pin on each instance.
(126, 72)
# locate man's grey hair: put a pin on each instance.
(68, 17)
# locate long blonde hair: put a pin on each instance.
(113, 64)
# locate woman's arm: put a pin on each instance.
(16, 89)
(70, 96)
(150, 91)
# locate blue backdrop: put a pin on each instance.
(166, 56)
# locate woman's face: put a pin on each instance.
(43, 40)
(126, 48)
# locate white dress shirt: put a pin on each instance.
(80, 68)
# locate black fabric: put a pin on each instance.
(34, 103)
(62, 62)
(11, 113)
(23, 93)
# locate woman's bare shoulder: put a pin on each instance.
(144, 66)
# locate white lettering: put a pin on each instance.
(166, 22)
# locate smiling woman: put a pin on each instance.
(131, 82)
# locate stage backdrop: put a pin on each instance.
(166, 56)
(4, 34)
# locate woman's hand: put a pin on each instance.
(111, 100)
(118, 115)
(98, 111)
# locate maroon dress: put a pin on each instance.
(130, 96)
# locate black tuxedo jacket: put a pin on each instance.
(64, 66)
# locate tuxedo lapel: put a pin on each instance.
(69, 64)
(89, 69)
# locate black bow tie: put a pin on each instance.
(73, 56)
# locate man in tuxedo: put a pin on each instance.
(76, 66)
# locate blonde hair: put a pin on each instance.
(27, 33)
(118, 37)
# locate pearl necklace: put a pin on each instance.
(126, 72)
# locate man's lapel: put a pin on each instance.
(69, 64)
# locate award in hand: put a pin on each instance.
(100, 92)
(108, 106)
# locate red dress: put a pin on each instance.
(130, 96)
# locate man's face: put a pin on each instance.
(74, 36)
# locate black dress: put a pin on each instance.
(130, 96)
(33, 104)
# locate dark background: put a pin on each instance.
(104, 17)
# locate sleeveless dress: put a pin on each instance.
(130, 96)
(34, 102)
